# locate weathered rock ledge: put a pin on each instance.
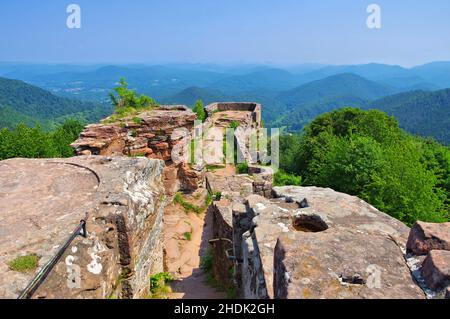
(163, 133)
(42, 201)
(310, 243)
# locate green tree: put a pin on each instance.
(64, 135)
(124, 98)
(199, 110)
(34, 142)
(365, 153)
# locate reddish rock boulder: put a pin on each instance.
(162, 146)
(428, 236)
(436, 269)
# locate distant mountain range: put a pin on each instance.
(292, 96)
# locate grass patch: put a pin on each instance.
(188, 207)
(133, 133)
(208, 200)
(25, 263)
(282, 178)
(137, 120)
(206, 263)
(212, 168)
(234, 125)
(124, 112)
(188, 236)
(137, 155)
(242, 168)
(159, 285)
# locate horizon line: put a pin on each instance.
(275, 64)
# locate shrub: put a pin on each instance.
(199, 110)
(188, 235)
(242, 168)
(159, 287)
(217, 195)
(282, 178)
(137, 120)
(234, 124)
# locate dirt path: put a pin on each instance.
(186, 241)
(187, 234)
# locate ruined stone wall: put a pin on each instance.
(222, 243)
(163, 133)
(310, 242)
(262, 180)
(254, 108)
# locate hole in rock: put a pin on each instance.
(354, 280)
(312, 223)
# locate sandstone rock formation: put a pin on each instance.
(436, 269)
(163, 133)
(268, 242)
(310, 243)
(357, 255)
(44, 200)
(425, 237)
(220, 117)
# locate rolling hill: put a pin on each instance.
(22, 102)
(190, 95)
(264, 79)
(419, 112)
(436, 72)
(342, 86)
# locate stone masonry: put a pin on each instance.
(163, 133)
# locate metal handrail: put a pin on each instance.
(34, 284)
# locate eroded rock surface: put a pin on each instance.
(358, 255)
(436, 269)
(163, 133)
(425, 237)
(42, 202)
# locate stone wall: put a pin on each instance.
(254, 108)
(222, 243)
(311, 242)
(262, 180)
(163, 133)
(124, 199)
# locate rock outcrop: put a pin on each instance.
(163, 133)
(425, 237)
(44, 200)
(428, 251)
(317, 243)
(436, 269)
(268, 242)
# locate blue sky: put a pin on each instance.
(225, 31)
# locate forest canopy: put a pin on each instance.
(34, 142)
(366, 154)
